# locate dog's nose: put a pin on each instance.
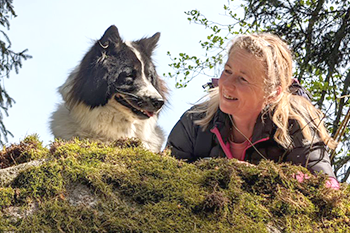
(157, 103)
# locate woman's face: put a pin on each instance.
(241, 85)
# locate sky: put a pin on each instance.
(58, 34)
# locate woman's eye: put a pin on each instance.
(243, 79)
(227, 71)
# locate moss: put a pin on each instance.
(6, 196)
(87, 186)
(29, 149)
(290, 202)
(40, 182)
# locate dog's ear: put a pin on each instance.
(149, 44)
(110, 35)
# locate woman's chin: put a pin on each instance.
(227, 109)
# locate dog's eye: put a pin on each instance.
(129, 80)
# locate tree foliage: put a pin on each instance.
(318, 32)
(9, 60)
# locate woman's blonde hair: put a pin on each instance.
(281, 104)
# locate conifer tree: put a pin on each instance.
(9, 60)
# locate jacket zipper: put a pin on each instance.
(250, 145)
(222, 144)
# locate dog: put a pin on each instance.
(114, 93)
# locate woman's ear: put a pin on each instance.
(275, 95)
(279, 91)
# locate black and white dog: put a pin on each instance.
(114, 93)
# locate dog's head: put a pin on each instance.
(121, 72)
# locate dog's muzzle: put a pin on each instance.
(143, 107)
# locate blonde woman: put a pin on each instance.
(254, 115)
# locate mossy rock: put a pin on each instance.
(86, 186)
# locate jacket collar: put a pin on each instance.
(264, 126)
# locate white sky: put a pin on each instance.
(58, 33)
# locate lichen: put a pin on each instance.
(88, 186)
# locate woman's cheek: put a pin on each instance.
(221, 80)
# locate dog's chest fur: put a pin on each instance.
(105, 124)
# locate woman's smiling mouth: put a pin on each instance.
(229, 97)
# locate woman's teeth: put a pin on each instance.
(229, 97)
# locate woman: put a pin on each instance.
(253, 114)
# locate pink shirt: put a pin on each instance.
(237, 149)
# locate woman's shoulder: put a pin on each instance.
(196, 112)
(296, 133)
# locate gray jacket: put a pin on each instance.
(189, 142)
